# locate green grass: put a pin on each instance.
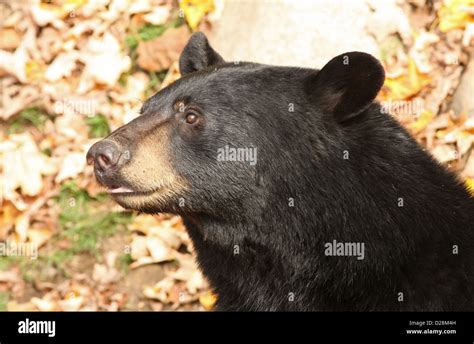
(149, 32)
(5, 262)
(4, 297)
(29, 117)
(84, 222)
(124, 262)
(98, 126)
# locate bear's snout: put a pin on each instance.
(105, 155)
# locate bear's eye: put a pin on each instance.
(191, 117)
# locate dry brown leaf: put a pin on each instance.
(10, 39)
(469, 168)
(138, 248)
(104, 274)
(159, 53)
(104, 62)
(159, 250)
(14, 306)
(18, 156)
(71, 304)
(9, 276)
(39, 236)
(444, 153)
(22, 224)
(72, 165)
(8, 214)
(52, 13)
(158, 16)
(16, 98)
(44, 304)
(134, 91)
(14, 63)
(62, 66)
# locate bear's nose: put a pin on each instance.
(104, 155)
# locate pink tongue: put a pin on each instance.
(119, 190)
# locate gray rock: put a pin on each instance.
(286, 32)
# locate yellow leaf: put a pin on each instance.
(34, 70)
(406, 85)
(455, 14)
(62, 8)
(422, 122)
(47, 12)
(470, 185)
(208, 300)
(8, 215)
(195, 10)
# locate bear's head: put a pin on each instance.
(207, 142)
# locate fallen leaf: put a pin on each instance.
(39, 236)
(104, 62)
(470, 185)
(406, 85)
(72, 164)
(469, 168)
(46, 13)
(158, 16)
(138, 247)
(158, 54)
(14, 63)
(104, 274)
(159, 250)
(455, 14)
(22, 223)
(18, 154)
(71, 304)
(444, 153)
(208, 300)
(44, 305)
(10, 39)
(14, 306)
(62, 66)
(195, 10)
(34, 70)
(422, 122)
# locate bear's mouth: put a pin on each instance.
(127, 191)
(151, 201)
(119, 190)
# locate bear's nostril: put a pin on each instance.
(103, 161)
(104, 155)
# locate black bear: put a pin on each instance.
(298, 191)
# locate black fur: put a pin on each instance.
(197, 55)
(258, 252)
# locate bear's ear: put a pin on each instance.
(198, 54)
(346, 85)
